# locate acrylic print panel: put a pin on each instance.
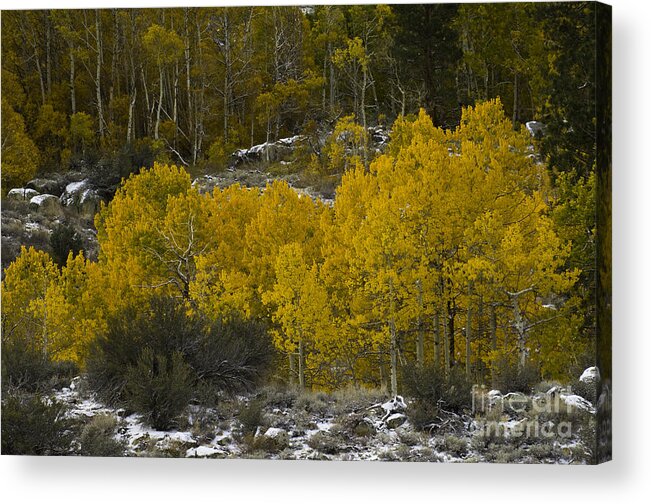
(362, 232)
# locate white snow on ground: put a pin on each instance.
(204, 451)
(385, 443)
(535, 128)
(274, 432)
(30, 227)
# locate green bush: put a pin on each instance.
(429, 384)
(30, 370)
(586, 390)
(511, 378)
(34, 426)
(251, 417)
(326, 442)
(97, 438)
(24, 368)
(231, 354)
(455, 446)
(159, 388)
(421, 414)
(228, 355)
(64, 240)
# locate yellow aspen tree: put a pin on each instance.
(222, 283)
(33, 304)
(284, 216)
(299, 305)
(128, 229)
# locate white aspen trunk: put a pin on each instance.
(519, 325)
(73, 98)
(446, 347)
(301, 364)
(160, 100)
(393, 351)
(175, 117)
(132, 104)
(468, 338)
(333, 88)
(98, 75)
(516, 98)
(40, 76)
(48, 55)
(493, 331)
(420, 344)
(188, 85)
(437, 340)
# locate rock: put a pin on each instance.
(494, 397)
(578, 402)
(271, 151)
(83, 198)
(395, 420)
(395, 405)
(590, 375)
(555, 391)
(325, 442)
(206, 183)
(364, 428)
(274, 439)
(53, 186)
(515, 402)
(378, 136)
(22, 194)
(46, 204)
(276, 433)
(535, 128)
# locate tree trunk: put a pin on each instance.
(420, 344)
(73, 99)
(98, 75)
(450, 322)
(188, 83)
(160, 100)
(468, 338)
(292, 369)
(363, 112)
(301, 363)
(493, 330)
(40, 76)
(175, 116)
(446, 347)
(333, 89)
(132, 104)
(48, 52)
(516, 99)
(437, 340)
(520, 330)
(393, 351)
(227, 70)
(325, 77)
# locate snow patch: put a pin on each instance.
(578, 402)
(41, 199)
(22, 193)
(203, 452)
(535, 128)
(590, 375)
